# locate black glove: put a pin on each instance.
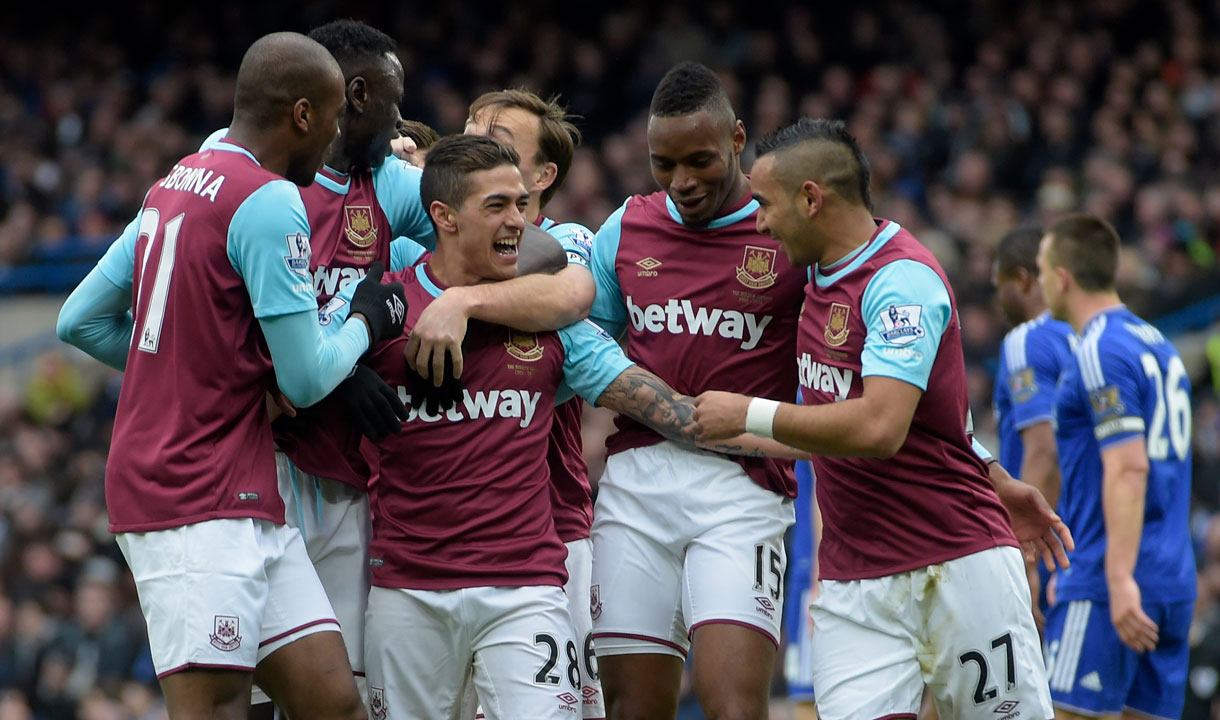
(430, 398)
(382, 306)
(372, 405)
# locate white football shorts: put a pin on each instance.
(683, 538)
(964, 627)
(514, 643)
(335, 524)
(224, 593)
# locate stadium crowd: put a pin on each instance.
(976, 117)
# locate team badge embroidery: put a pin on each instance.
(377, 705)
(524, 346)
(757, 269)
(359, 228)
(836, 324)
(900, 324)
(225, 633)
(595, 601)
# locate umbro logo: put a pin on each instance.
(648, 267)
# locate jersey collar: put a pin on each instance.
(886, 229)
(748, 206)
(228, 145)
(423, 273)
(1099, 315)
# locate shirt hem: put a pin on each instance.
(916, 564)
(153, 526)
(462, 584)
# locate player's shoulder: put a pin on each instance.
(396, 168)
(574, 233)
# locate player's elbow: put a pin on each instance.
(883, 440)
(301, 392)
(579, 293)
(68, 325)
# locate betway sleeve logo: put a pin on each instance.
(519, 404)
(681, 317)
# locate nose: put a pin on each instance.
(760, 223)
(683, 181)
(516, 219)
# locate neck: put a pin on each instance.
(853, 226)
(336, 158)
(1088, 305)
(1035, 304)
(741, 187)
(448, 268)
(263, 144)
(534, 208)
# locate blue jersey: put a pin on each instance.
(1033, 356)
(1127, 384)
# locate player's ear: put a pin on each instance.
(739, 137)
(443, 215)
(302, 115)
(809, 198)
(357, 94)
(547, 172)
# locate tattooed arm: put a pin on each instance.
(648, 399)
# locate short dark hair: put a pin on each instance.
(1019, 249)
(557, 135)
(1087, 247)
(688, 88)
(421, 133)
(352, 41)
(850, 180)
(453, 159)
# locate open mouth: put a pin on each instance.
(506, 248)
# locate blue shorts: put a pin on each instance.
(1092, 673)
(798, 631)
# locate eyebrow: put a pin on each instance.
(501, 128)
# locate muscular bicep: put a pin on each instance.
(1039, 441)
(1130, 456)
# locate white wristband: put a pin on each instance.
(760, 416)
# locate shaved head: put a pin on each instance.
(278, 70)
(822, 151)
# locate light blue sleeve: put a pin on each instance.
(592, 360)
(404, 253)
(96, 318)
(211, 140)
(983, 453)
(396, 183)
(269, 248)
(119, 262)
(906, 309)
(609, 310)
(308, 363)
(576, 240)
